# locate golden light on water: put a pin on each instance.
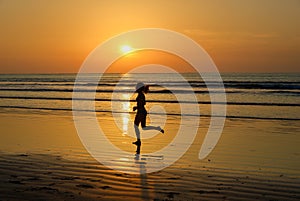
(125, 115)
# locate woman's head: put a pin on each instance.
(141, 87)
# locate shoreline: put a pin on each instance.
(42, 158)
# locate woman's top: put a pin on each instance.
(141, 102)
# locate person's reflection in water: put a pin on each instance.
(141, 165)
(138, 149)
(140, 117)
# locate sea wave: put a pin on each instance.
(153, 101)
(169, 114)
(163, 91)
(129, 83)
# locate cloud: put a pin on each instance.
(228, 34)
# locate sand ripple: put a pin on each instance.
(51, 176)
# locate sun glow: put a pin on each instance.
(126, 48)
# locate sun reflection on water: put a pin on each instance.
(125, 113)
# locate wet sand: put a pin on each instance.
(42, 158)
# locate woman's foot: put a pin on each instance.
(138, 142)
(162, 130)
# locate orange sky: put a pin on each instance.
(133, 60)
(241, 36)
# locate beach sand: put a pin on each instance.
(42, 158)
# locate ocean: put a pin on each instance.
(248, 95)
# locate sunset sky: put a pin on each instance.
(240, 36)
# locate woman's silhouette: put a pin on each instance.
(140, 117)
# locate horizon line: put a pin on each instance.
(62, 73)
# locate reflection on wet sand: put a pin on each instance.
(143, 176)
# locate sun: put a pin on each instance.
(126, 48)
